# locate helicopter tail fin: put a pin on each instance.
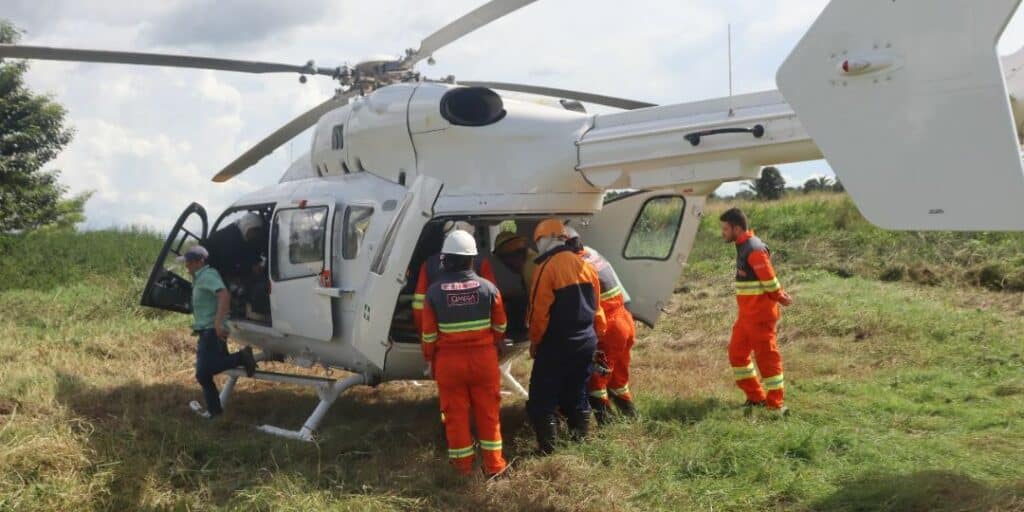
(907, 101)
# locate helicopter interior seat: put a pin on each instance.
(403, 330)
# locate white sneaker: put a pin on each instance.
(198, 409)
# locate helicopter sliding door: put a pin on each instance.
(167, 287)
(299, 263)
(647, 237)
(388, 268)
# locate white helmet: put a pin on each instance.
(459, 243)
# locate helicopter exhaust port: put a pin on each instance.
(472, 106)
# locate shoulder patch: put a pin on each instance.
(471, 284)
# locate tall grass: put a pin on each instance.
(827, 232)
(46, 260)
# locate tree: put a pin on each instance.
(770, 186)
(838, 187)
(32, 133)
(821, 184)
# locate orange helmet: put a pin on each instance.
(549, 227)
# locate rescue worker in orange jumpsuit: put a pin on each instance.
(565, 320)
(463, 325)
(758, 295)
(613, 348)
(431, 269)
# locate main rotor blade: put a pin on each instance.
(153, 59)
(475, 19)
(599, 99)
(280, 136)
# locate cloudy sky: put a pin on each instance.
(148, 139)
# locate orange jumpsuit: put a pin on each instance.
(430, 270)
(463, 319)
(757, 293)
(618, 339)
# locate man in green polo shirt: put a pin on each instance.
(210, 304)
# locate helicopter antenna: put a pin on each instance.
(732, 111)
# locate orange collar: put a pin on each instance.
(744, 237)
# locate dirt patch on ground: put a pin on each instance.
(8, 406)
(176, 341)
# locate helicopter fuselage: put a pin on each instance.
(536, 159)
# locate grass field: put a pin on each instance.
(904, 372)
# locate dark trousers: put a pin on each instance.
(560, 378)
(212, 357)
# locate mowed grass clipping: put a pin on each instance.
(906, 396)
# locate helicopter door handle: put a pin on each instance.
(337, 293)
(757, 131)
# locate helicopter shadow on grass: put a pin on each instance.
(384, 438)
(931, 491)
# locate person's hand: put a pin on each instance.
(785, 299)
(429, 371)
(222, 331)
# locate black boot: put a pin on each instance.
(248, 361)
(624, 406)
(602, 412)
(547, 431)
(579, 426)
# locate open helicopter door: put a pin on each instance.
(167, 287)
(389, 268)
(907, 102)
(646, 236)
(299, 263)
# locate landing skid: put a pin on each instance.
(510, 381)
(327, 389)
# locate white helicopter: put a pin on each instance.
(907, 100)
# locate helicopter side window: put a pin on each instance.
(298, 243)
(381, 258)
(655, 229)
(338, 137)
(357, 221)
